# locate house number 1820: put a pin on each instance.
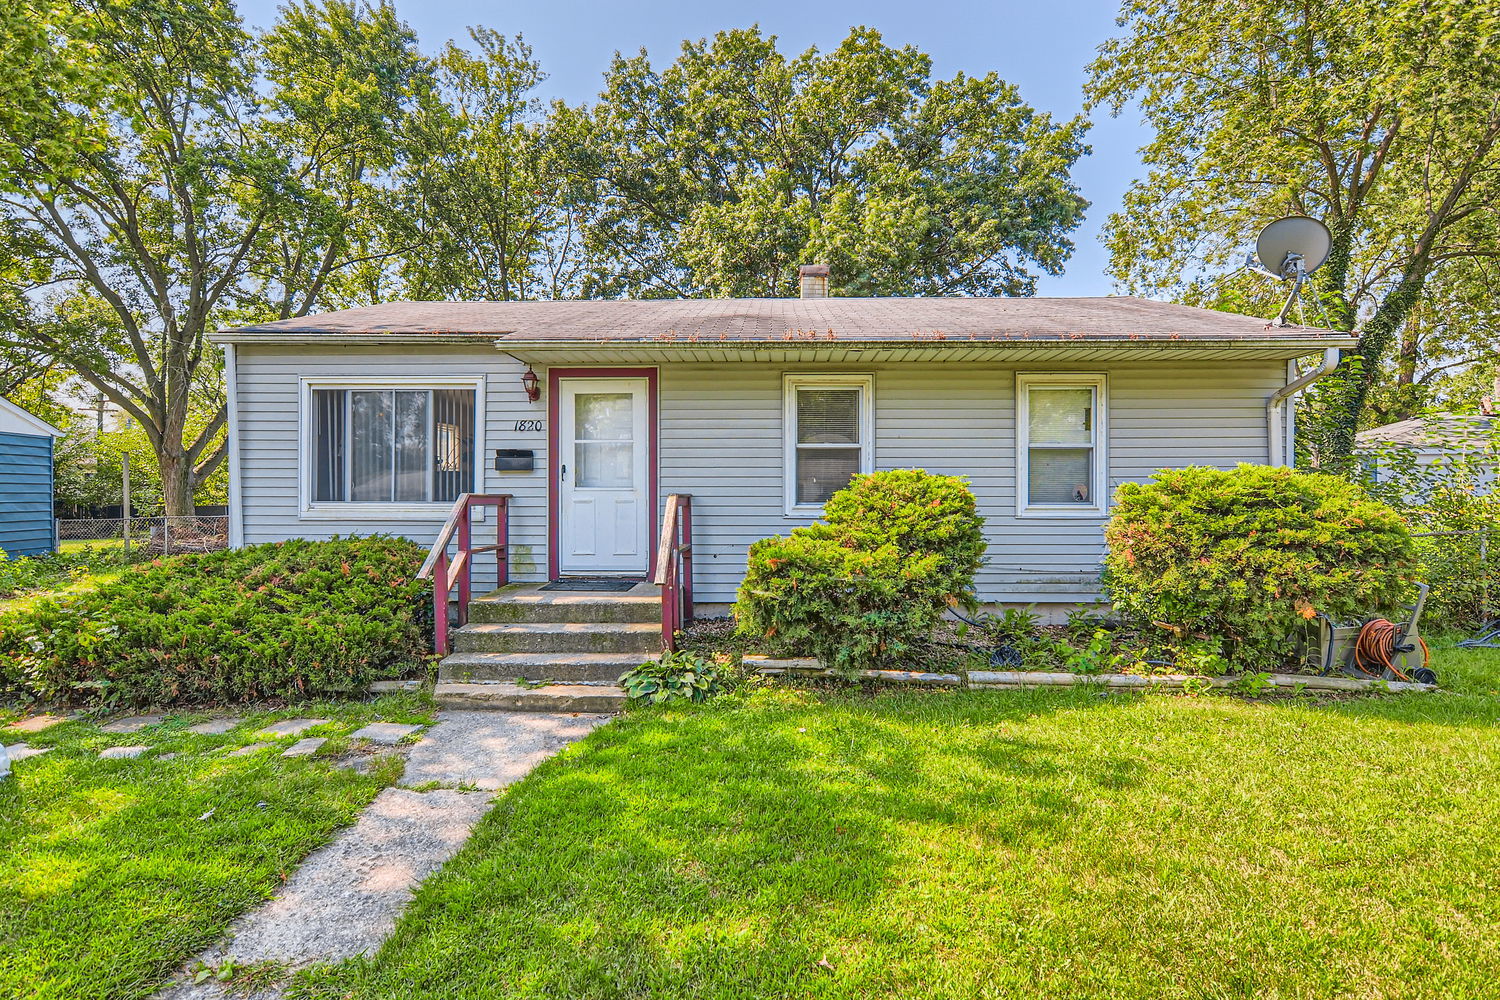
(528, 425)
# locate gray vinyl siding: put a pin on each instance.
(26, 522)
(269, 386)
(957, 420)
(721, 440)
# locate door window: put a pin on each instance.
(604, 446)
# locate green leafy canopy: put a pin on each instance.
(1381, 118)
(720, 173)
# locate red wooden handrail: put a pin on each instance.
(461, 571)
(674, 568)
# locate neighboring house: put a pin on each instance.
(375, 419)
(1432, 444)
(27, 527)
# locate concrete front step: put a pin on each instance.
(594, 668)
(558, 637)
(503, 697)
(527, 602)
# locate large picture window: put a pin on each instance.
(828, 437)
(1060, 445)
(391, 444)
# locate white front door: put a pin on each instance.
(602, 476)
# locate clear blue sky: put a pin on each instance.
(1041, 47)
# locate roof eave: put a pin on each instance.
(847, 351)
(42, 427)
(348, 338)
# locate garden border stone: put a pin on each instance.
(1020, 679)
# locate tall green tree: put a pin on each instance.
(163, 173)
(1381, 117)
(720, 173)
(481, 195)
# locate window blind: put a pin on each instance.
(392, 445)
(827, 441)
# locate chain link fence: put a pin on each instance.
(144, 537)
(1462, 567)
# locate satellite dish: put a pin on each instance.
(1286, 241)
(1290, 249)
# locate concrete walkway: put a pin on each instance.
(345, 898)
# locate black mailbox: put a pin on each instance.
(515, 460)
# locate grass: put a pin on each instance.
(782, 843)
(91, 545)
(115, 872)
(76, 567)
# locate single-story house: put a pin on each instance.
(1433, 448)
(27, 527)
(590, 413)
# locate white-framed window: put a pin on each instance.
(389, 447)
(829, 428)
(1060, 445)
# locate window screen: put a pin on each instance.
(1060, 445)
(392, 445)
(827, 440)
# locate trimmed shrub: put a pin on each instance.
(295, 619)
(918, 513)
(860, 591)
(1244, 558)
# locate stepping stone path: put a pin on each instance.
(345, 898)
(214, 727)
(132, 724)
(384, 733)
(127, 753)
(304, 748)
(35, 724)
(291, 727)
(248, 750)
(489, 750)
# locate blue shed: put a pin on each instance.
(27, 527)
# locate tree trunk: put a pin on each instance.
(176, 483)
(1374, 341)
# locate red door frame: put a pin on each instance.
(554, 493)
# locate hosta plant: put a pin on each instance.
(675, 676)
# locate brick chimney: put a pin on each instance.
(812, 281)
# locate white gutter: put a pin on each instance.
(1277, 447)
(232, 430)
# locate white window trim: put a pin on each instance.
(350, 511)
(791, 383)
(1099, 487)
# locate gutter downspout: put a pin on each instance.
(232, 429)
(1275, 434)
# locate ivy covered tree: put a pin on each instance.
(720, 173)
(1380, 117)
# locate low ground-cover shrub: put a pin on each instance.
(863, 589)
(284, 620)
(1242, 559)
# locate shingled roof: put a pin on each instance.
(1439, 430)
(745, 321)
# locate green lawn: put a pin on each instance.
(101, 545)
(78, 566)
(785, 843)
(114, 872)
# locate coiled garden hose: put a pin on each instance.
(1378, 644)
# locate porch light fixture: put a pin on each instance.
(532, 385)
